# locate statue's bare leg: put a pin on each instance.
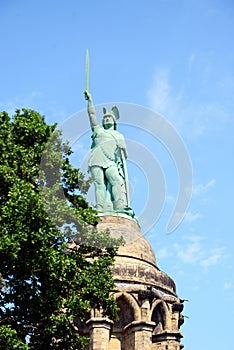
(98, 176)
(117, 190)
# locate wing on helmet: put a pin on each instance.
(116, 112)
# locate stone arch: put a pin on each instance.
(161, 316)
(129, 309)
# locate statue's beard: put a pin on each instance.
(108, 125)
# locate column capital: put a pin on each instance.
(140, 326)
(167, 335)
(99, 322)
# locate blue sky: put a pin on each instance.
(177, 58)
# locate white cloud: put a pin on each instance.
(162, 98)
(202, 189)
(159, 93)
(197, 119)
(191, 252)
(215, 256)
(29, 101)
(191, 115)
(163, 253)
(195, 251)
(35, 100)
(185, 216)
(190, 217)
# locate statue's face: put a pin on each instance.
(108, 121)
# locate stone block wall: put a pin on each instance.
(146, 322)
(150, 312)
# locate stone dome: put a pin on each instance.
(135, 262)
(136, 246)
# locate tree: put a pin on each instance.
(55, 265)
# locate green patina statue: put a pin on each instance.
(107, 162)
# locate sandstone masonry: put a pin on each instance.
(150, 313)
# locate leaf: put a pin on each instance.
(47, 285)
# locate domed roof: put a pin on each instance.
(136, 245)
(135, 262)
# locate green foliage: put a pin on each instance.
(10, 340)
(51, 276)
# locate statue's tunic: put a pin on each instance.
(105, 146)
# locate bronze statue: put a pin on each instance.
(107, 163)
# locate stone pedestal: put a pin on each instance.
(138, 335)
(168, 340)
(149, 308)
(99, 333)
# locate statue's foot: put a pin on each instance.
(127, 211)
(107, 206)
(118, 205)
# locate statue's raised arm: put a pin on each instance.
(91, 109)
(107, 162)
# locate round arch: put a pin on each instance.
(129, 308)
(160, 314)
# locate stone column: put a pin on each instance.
(138, 335)
(167, 340)
(99, 332)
